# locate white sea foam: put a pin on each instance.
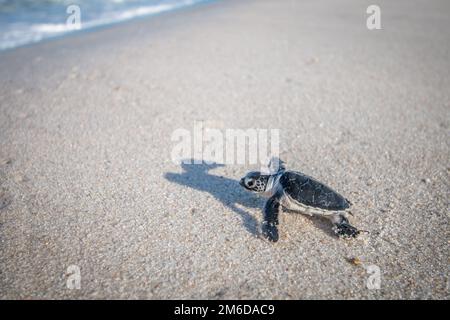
(21, 33)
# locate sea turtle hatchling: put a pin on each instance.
(295, 191)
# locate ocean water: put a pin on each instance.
(27, 21)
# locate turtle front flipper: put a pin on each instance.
(269, 225)
(343, 228)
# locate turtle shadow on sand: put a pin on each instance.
(225, 190)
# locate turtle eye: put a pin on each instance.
(250, 183)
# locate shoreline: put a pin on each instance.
(99, 25)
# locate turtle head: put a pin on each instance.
(255, 181)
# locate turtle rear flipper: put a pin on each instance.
(344, 229)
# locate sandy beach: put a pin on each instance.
(86, 176)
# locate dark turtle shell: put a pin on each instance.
(311, 192)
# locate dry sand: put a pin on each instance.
(86, 176)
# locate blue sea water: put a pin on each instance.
(27, 21)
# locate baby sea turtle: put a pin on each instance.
(295, 191)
